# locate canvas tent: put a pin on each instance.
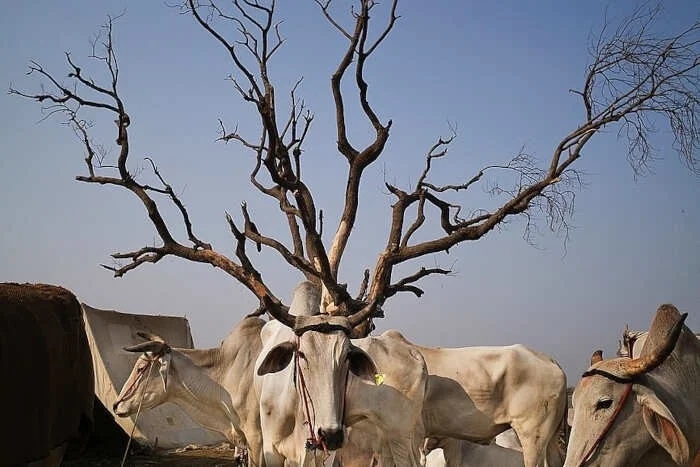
(108, 332)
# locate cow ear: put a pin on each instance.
(663, 427)
(164, 369)
(361, 364)
(277, 358)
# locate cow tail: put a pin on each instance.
(564, 426)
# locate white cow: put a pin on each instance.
(312, 384)
(641, 411)
(462, 453)
(475, 393)
(632, 343)
(213, 386)
(389, 412)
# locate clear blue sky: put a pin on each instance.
(501, 72)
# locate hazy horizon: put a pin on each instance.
(501, 74)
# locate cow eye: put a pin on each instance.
(603, 404)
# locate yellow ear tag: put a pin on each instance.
(379, 379)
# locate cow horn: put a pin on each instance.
(646, 363)
(149, 336)
(321, 323)
(596, 357)
(150, 346)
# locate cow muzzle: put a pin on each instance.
(332, 439)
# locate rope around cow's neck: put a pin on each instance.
(138, 411)
(313, 442)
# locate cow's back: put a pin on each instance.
(48, 387)
(490, 375)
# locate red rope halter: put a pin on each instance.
(313, 442)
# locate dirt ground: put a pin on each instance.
(210, 457)
(105, 448)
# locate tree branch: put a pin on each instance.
(357, 160)
(636, 79)
(405, 284)
(69, 102)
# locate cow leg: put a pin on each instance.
(404, 452)
(273, 458)
(532, 458)
(255, 449)
(536, 435)
(312, 458)
(417, 443)
(555, 456)
(534, 447)
(407, 448)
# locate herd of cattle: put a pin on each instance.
(311, 395)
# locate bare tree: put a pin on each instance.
(634, 77)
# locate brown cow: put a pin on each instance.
(47, 388)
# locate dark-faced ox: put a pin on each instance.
(48, 385)
(313, 381)
(641, 411)
(213, 386)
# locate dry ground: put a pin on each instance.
(212, 457)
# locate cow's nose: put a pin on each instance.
(114, 406)
(332, 438)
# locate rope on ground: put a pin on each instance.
(138, 411)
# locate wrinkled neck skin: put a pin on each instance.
(195, 386)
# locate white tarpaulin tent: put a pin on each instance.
(108, 332)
